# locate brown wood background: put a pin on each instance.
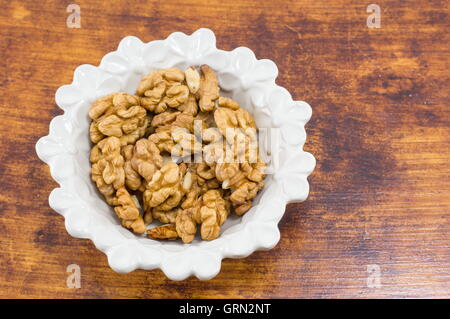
(380, 132)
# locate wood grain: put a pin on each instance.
(380, 132)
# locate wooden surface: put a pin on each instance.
(380, 131)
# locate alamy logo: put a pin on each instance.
(74, 19)
(373, 276)
(374, 20)
(74, 278)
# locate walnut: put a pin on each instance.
(163, 212)
(192, 79)
(176, 95)
(210, 212)
(254, 171)
(141, 162)
(166, 217)
(193, 193)
(95, 133)
(146, 159)
(164, 119)
(189, 216)
(119, 115)
(174, 134)
(186, 225)
(208, 91)
(190, 106)
(213, 214)
(242, 191)
(228, 119)
(242, 194)
(162, 89)
(228, 174)
(235, 176)
(231, 173)
(187, 143)
(244, 179)
(163, 232)
(127, 210)
(243, 208)
(107, 167)
(207, 118)
(163, 140)
(211, 184)
(205, 171)
(214, 149)
(228, 103)
(167, 121)
(132, 178)
(136, 225)
(154, 84)
(241, 146)
(165, 190)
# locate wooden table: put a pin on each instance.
(379, 206)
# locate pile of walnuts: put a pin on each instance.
(176, 152)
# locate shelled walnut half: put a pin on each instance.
(120, 115)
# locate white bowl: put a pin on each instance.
(249, 81)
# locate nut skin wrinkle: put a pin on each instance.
(228, 103)
(162, 89)
(165, 217)
(133, 180)
(227, 118)
(163, 232)
(213, 214)
(127, 211)
(120, 115)
(165, 188)
(174, 128)
(186, 225)
(190, 106)
(108, 167)
(146, 159)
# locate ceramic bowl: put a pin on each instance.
(246, 79)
